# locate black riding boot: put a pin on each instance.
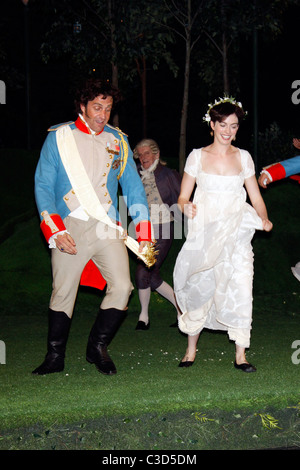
(102, 332)
(58, 331)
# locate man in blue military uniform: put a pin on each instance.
(289, 168)
(76, 184)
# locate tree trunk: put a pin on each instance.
(185, 101)
(144, 98)
(114, 66)
(142, 72)
(184, 111)
(225, 64)
(224, 49)
(115, 83)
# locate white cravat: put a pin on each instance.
(146, 173)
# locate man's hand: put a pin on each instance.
(296, 143)
(264, 180)
(142, 245)
(66, 244)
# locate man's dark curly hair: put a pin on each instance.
(94, 87)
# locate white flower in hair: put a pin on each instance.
(225, 99)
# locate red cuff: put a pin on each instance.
(277, 171)
(143, 231)
(51, 224)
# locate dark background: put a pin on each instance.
(51, 90)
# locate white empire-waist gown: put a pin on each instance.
(213, 273)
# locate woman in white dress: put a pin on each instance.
(214, 270)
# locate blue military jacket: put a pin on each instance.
(52, 183)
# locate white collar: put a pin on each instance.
(146, 173)
(91, 130)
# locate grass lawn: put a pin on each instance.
(151, 404)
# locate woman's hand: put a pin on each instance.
(267, 225)
(190, 210)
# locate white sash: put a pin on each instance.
(85, 192)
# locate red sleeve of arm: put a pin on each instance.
(51, 224)
(277, 171)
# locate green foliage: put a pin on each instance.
(236, 430)
(112, 32)
(151, 403)
(268, 421)
(225, 23)
(202, 417)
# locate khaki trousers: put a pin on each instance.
(101, 243)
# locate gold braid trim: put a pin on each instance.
(148, 255)
(125, 153)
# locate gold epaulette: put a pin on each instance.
(58, 126)
(117, 129)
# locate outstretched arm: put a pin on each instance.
(264, 180)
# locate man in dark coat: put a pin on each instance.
(162, 187)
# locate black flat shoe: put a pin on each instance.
(141, 325)
(185, 363)
(245, 367)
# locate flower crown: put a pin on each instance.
(225, 99)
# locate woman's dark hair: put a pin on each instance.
(92, 88)
(223, 110)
